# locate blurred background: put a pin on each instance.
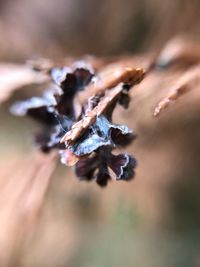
(106, 27)
(153, 220)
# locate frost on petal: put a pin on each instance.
(123, 166)
(50, 136)
(88, 144)
(38, 108)
(121, 135)
(70, 81)
(101, 133)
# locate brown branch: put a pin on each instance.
(115, 80)
(110, 77)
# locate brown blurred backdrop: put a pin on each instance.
(74, 27)
(151, 221)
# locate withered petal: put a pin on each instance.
(78, 75)
(85, 168)
(39, 108)
(118, 134)
(123, 166)
(88, 145)
(42, 139)
(102, 176)
(101, 133)
(49, 138)
(51, 135)
(121, 135)
(70, 80)
(95, 137)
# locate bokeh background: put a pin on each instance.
(153, 220)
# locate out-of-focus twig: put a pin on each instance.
(187, 81)
(181, 51)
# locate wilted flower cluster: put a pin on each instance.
(76, 119)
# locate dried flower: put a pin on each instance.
(76, 116)
(97, 167)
